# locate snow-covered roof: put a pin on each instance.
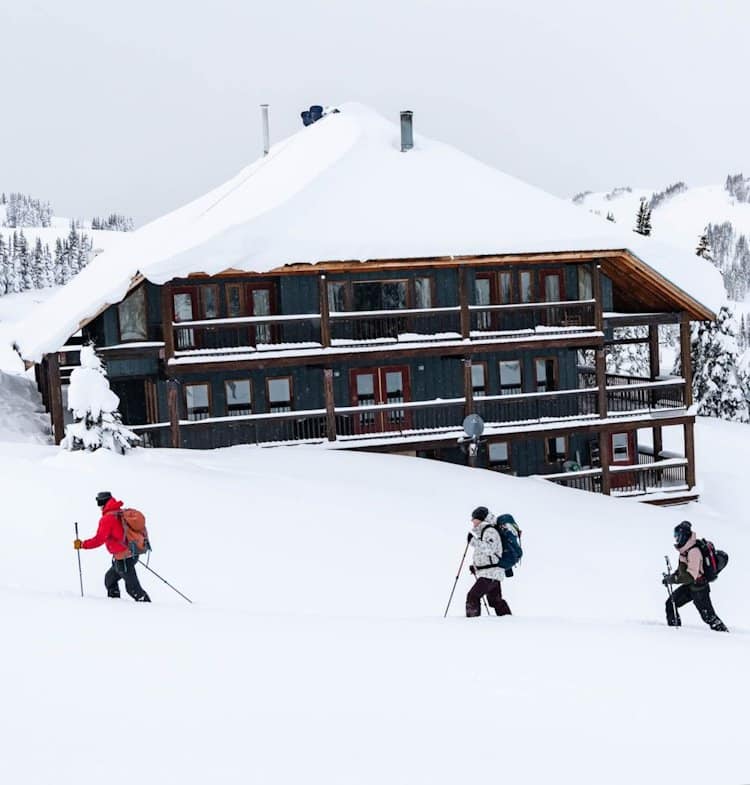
(341, 189)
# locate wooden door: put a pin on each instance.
(260, 300)
(551, 283)
(372, 386)
(623, 453)
(184, 309)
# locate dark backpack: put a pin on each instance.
(714, 561)
(510, 536)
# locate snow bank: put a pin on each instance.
(342, 190)
(22, 415)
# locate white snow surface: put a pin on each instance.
(315, 650)
(341, 189)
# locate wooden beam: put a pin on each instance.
(653, 350)
(325, 320)
(601, 382)
(468, 388)
(166, 321)
(598, 305)
(686, 363)
(605, 455)
(689, 438)
(463, 301)
(641, 319)
(330, 404)
(658, 441)
(54, 389)
(173, 406)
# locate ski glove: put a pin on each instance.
(472, 569)
(667, 580)
(469, 538)
(77, 544)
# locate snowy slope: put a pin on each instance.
(678, 220)
(342, 190)
(315, 650)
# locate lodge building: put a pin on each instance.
(235, 338)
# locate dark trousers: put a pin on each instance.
(493, 591)
(700, 596)
(125, 569)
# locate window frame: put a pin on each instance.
(555, 374)
(511, 288)
(240, 287)
(532, 287)
(141, 291)
(381, 281)
(290, 381)
(585, 270)
(226, 397)
(483, 365)
(500, 465)
(557, 458)
(202, 300)
(431, 288)
(515, 389)
(207, 385)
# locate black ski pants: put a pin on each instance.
(493, 591)
(124, 569)
(699, 595)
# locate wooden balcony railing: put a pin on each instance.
(249, 334)
(667, 474)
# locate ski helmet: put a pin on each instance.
(480, 513)
(103, 497)
(682, 533)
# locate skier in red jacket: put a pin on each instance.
(111, 534)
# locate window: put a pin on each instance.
(197, 401)
(552, 283)
(209, 302)
(585, 283)
(510, 377)
(336, 296)
(394, 393)
(423, 292)
(235, 301)
(279, 394)
(478, 378)
(132, 315)
(260, 301)
(620, 452)
(379, 295)
(483, 296)
(499, 455)
(506, 288)
(238, 396)
(526, 286)
(546, 374)
(556, 449)
(184, 311)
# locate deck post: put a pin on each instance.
(653, 351)
(54, 392)
(166, 320)
(598, 305)
(605, 455)
(658, 441)
(686, 364)
(468, 388)
(330, 404)
(463, 301)
(325, 310)
(601, 382)
(173, 405)
(689, 438)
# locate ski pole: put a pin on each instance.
(669, 589)
(458, 574)
(165, 581)
(78, 553)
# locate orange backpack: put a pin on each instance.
(135, 534)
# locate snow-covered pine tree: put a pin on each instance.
(58, 264)
(643, 219)
(3, 266)
(36, 265)
(704, 247)
(630, 359)
(719, 386)
(49, 267)
(72, 248)
(97, 423)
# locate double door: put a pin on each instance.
(373, 386)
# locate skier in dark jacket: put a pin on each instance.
(112, 535)
(488, 567)
(693, 586)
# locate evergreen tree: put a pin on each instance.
(704, 247)
(643, 219)
(719, 387)
(36, 265)
(96, 421)
(3, 266)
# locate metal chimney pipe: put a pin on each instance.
(407, 131)
(266, 132)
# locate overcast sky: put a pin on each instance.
(140, 106)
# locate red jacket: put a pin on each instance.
(110, 531)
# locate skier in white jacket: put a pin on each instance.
(488, 551)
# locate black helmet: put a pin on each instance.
(103, 497)
(682, 533)
(480, 513)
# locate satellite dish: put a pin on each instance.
(473, 425)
